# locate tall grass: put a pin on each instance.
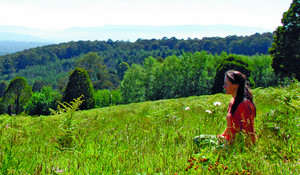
(154, 137)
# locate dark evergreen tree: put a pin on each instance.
(286, 47)
(80, 84)
(17, 94)
(3, 86)
(232, 62)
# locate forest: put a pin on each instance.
(34, 81)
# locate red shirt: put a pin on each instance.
(243, 120)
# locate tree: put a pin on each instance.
(152, 68)
(92, 63)
(285, 49)
(18, 93)
(97, 70)
(198, 70)
(133, 85)
(232, 62)
(80, 84)
(261, 71)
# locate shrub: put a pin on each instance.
(115, 97)
(41, 102)
(102, 98)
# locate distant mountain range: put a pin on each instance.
(11, 46)
(15, 38)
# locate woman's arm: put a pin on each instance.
(245, 113)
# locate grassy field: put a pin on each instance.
(153, 138)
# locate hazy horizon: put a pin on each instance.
(58, 15)
(73, 20)
(124, 32)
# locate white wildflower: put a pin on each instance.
(208, 111)
(217, 103)
(187, 108)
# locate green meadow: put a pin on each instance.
(153, 137)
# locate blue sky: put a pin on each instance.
(61, 14)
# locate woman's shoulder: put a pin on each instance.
(246, 104)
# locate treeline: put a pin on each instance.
(37, 80)
(51, 63)
(185, 75)
(192, 75)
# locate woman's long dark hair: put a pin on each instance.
(243, 91)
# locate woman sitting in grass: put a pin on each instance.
(240, 114)
(241, 110)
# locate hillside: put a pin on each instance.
(58, 59)
(154, 137)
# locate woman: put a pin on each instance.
(241, 111)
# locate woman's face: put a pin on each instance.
(229, 87)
